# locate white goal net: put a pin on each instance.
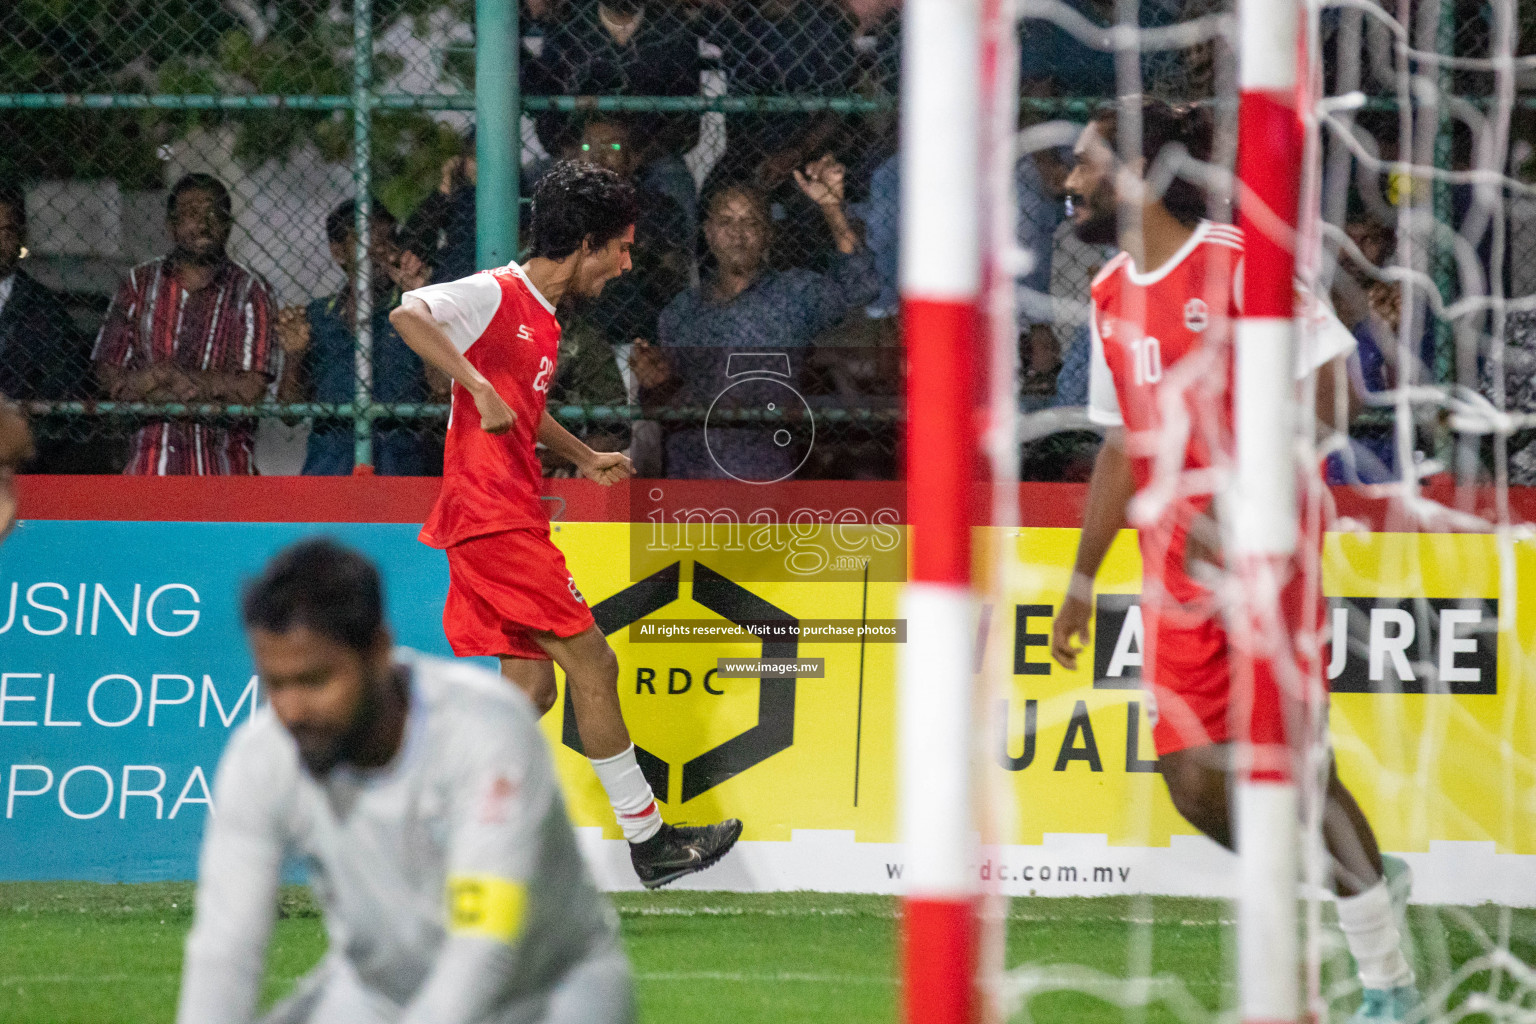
(1418, 229)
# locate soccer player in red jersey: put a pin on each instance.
(509, 594)
(1162, 318)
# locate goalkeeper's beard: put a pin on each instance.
(320, 759)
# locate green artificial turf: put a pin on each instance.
(75, 953)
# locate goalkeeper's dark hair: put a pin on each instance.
(1163, 125)
(576, 202)
(320, 584)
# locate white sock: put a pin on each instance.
(1370, 928)
(633, 802)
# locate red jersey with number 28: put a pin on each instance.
(508, 332)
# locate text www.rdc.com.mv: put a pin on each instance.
(1001, 871)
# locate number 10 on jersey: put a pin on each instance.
(1147, 358)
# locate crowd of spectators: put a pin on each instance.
(764, 232)
(746, 242)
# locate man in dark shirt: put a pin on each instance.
(764, 318)
(620, 48)
(43, 355)
(442, 229)
(319, 349)
(41, 352)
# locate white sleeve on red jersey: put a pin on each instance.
(1103, 404)
(462, 308)
(1324, 337)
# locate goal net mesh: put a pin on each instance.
(1418, 229)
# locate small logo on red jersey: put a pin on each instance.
(525, 332)
(496, 801)
(1197, 315)
(570, 582)
(1107, 328)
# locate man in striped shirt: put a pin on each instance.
(193, 327)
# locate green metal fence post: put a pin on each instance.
(1459, 452)
(498, 131)
(362, 272)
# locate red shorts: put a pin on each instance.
(505, 587)
(1190, 677)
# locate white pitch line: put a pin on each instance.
(79, 979)
(707, 911)
(740, 912)
(774, 977)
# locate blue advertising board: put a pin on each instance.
(123, 671)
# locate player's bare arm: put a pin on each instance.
(606, 468)
(1110, 490)
(413, 320)
(1337, 401)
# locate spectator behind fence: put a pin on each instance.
(1519, 392)
(193, 326)
(777, 48)
(595, 341)
(43, 356)
(744, 307)
(624, 48)
(442, 229)
(319, 351)
(1372, 310)
(872, 135)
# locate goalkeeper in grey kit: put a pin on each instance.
(422, 797)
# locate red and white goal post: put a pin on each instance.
(1273, 676)
(943, 174)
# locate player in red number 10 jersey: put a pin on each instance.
(509, 594)
(1160, 383)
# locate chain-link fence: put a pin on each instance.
(1451, 240)
(1064, 80)
(211, 327)
(1434, 106)
(760, 134)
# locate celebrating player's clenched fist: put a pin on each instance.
(496, 416)
(608, 468)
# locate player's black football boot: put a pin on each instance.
(679, 850)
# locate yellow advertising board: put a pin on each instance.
(1432, 719)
